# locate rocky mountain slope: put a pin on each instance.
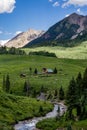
(65, 31)
(23, 38)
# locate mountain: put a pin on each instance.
(23, 38)
(73, 27)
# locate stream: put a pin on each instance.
(31, 124)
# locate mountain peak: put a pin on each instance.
(23, 38)
(32, 30)
(76, 15)
(72, 27)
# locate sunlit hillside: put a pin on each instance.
(78, 52)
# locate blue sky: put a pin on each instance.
(21, 15)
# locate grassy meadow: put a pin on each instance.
(69, 62)
(15, 65)
(77, 52)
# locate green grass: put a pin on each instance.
(48, 124)
(53, 124)
(15, 108)
(14, 65)
(80, 124)
(78, 52)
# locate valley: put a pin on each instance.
(39, 69)
(14, 65)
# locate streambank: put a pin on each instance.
(31, 124)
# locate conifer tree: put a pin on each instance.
(71, 96)
(79, 84)
(35, 71)
(79, 93)
(76, 96)
(55, 70)
(84, 96)
(84, 86)
(26, 88)
(4, 83)
(69, 127)
(71, 93)
(40, 109)
(30, 70)
(7, 83)
(55, 93)
(82, 102)
(61, 93)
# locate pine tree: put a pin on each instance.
(82, 102)
(69, 127)
(40, 109)
(84, 94)
(26, 88)
(35, 71)
(71, 92)
(84, 86)
(4, 83)
(76, 96)
(7, 83)
(50, 96)
(30, 70)
(55, 93)
(71, 97)
(55, 70)
(61, 94)
(79, 84)
(79, 93)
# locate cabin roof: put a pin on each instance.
(50, 70)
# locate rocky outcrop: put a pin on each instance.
(23, 38)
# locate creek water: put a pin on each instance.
(31, 124)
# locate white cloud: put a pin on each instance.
(75, 3)
(67, 15)
(79, 11)
(56, 4)
(2, 42)
(50, 0)
(7, 6)
(18, 32)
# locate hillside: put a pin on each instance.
(64, 33)
(23, 38)
(77, 52)
(12, 109)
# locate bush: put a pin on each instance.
(43, 53)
